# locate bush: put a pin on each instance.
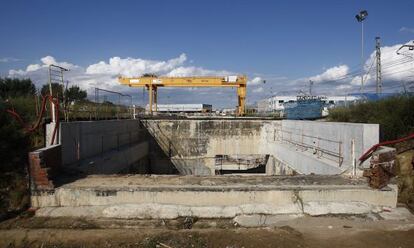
(395, 115)
(14, 144)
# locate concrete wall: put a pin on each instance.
(306, 146)
(192, 145)
(334, 137)
(44, 165)
(114, 161)
(102, 147)
(112, 146)
(86, 139)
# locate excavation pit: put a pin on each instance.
(209, 168)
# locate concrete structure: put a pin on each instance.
(169, 197)
(44, 164)
(108, 147)
(191, 147)
(305, 146)
(276, 103)
(183, 108)
(228, 111)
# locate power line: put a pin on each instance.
(391, 73)
(397, 64)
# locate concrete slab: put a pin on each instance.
(263, 220)
(399, 213)
(170, 197)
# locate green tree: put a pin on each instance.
(57, 90)
(149, 75)
(394, 114)
(14, 144)
(14, 87)
(74, 93)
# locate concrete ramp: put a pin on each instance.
(305, 162)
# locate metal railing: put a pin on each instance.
(302, 141)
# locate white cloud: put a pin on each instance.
(258, 90)
(255, 81)
(30, 68)
(135, 67)
(405, 29)
(183, 71)
(8, 60)
(333, 73)
(104, 74)
(343, 87)
(340, 80)
(395, 67)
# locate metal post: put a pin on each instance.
(118, 109)
(51, 94)
(150, 98)
(156, 99)
(362, 57)
(353, 157)
(340, 153)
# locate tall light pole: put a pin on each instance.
(360, 18)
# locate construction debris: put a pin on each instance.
(382, 167)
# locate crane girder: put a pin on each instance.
(152, 83)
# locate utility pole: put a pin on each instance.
(310, 87)
(378, 60)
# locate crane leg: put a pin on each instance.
(155, 98)
(241, 93)
(150, 95)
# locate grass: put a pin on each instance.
(395, 115)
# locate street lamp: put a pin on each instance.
(410, 48)
(360, 18)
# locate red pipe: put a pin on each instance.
(389, 142)
(39, 119)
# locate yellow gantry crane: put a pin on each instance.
(151, 83)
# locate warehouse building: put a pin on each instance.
(182, 108)
(277, 103)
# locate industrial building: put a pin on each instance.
(277, 103)
(182, 108)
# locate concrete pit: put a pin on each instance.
(207, 168)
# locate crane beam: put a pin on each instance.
(152, 83)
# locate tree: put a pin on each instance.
(14, 144)
(149, 75)
(57, 90)
(74, 93)
(14, 87)
(109, 103)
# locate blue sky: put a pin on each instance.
(281, 41)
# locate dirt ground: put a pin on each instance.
(329, 231)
